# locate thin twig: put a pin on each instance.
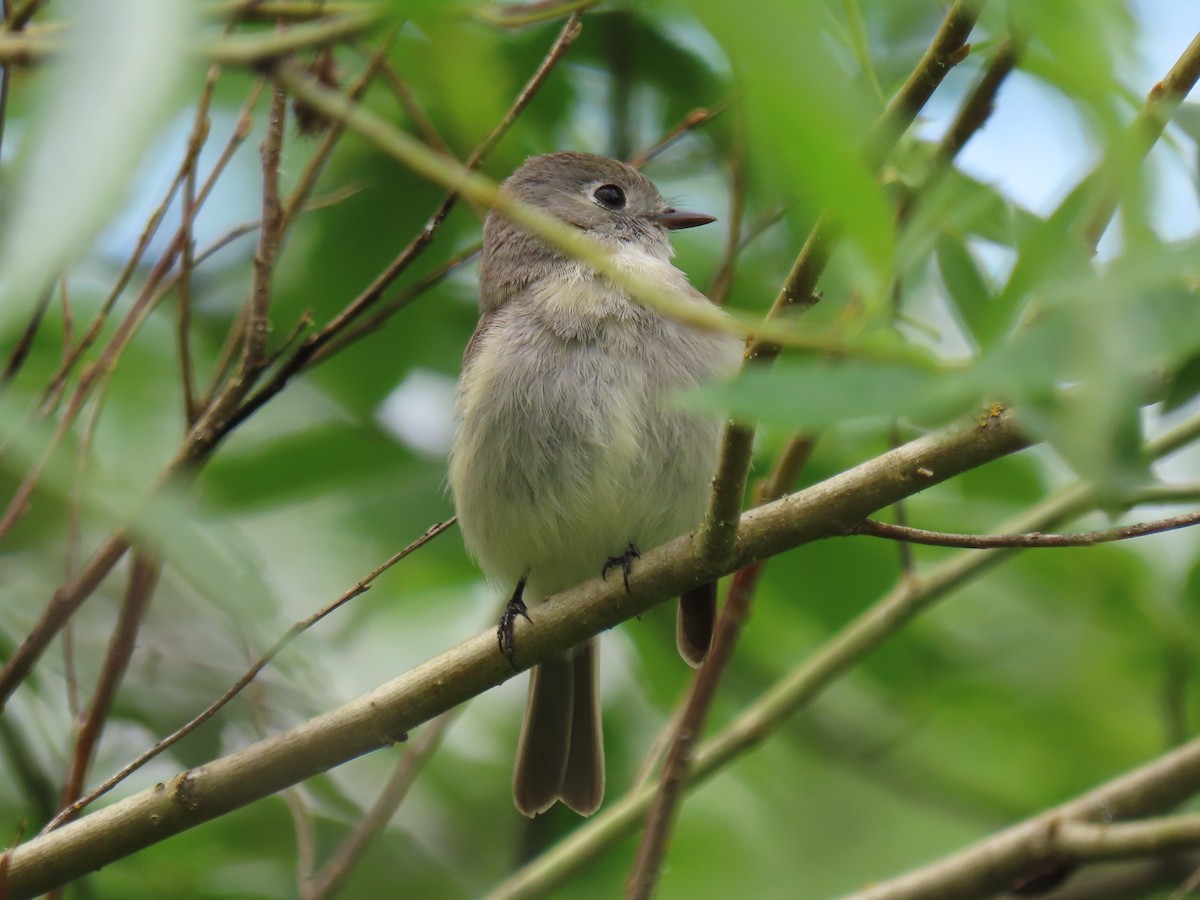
(1102, 184)
(688, 726)
(389, 307)
(1065, 832)
(263, 48)
(25, 342)
(808, 680)
(519, 15)
(258, 306)
(296, 629)
(187, 262)
(697, 118)
(369, 297)
(142, 580)
(1028, 540)
(412, 107)
(195, 143)
(298, 199)
(222, 414)
(278, 10)
(722, 281)
(20, 17)
(332, 877)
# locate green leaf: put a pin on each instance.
(791, 78)
(972, 295)
(809, 394)
(1183, 384)
(100, 106)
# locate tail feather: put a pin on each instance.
(560, 755)
(583, 781)
(695, 622)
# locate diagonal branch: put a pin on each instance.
(392, 710)
(1031, 539)
(812, 676)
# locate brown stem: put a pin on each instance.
(142, 580)
(1102, 183)
(873, 528)
(258, 318)
(660, 819)
(722, 281)
(697, 118)
(415, 112)
(689, 725)
(312, 346)
(25, 342)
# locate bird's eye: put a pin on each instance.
(610, 195)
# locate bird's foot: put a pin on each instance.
(504, 633)
(625, 561)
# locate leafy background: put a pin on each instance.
(1042, 677)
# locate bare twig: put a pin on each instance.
(263, 661)
(260, 49)
(688, 726)
(991, 865)
(332, 877)
(697, 118)
(143, 577)
(1029, 540)
(518, 15)
(25, 341)
(722, 281)
(298, 199)
(1102, 184)
(195, 144)
(221, 415)
(798, 688)
(279, 10)
(303, 355)
(413, 109)
(258, 318)
(187, 262)
(389, 307)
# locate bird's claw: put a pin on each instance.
(625, 561)
(504, 633)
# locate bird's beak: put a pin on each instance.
(674, 219)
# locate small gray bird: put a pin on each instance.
(567, 456)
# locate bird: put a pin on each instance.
(569, 454)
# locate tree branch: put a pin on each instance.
(992, 864)
(874, 528)
(807, 680)
(717, 533)
(389, 712)
(296, 629)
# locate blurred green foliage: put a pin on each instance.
(1043, 676)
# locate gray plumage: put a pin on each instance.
(565, 451)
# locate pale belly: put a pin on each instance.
(562, 459)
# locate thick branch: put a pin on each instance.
(991, 865)
(390, 711)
